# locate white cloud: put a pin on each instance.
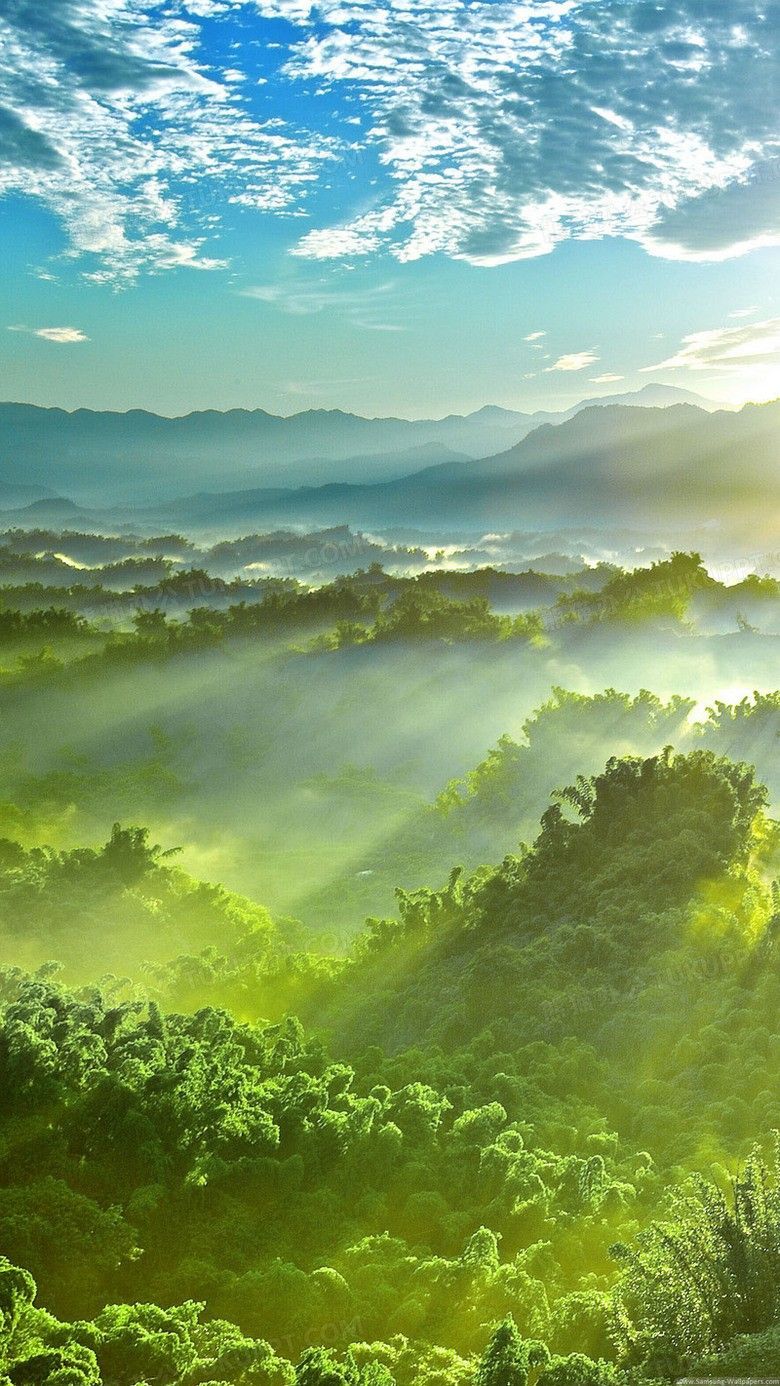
(507, 127)
(574, 361)
(728, 349)
(64, 336)
(361, 238)
(337, 242)
(622, 122)
(534, 336)
(363, 307)
(607, 379)
(308, 389)
(732, 217)
(500, 127)
(108, 117)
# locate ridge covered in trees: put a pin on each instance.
(484, 1092)
(392, 1189)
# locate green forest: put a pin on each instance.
(389, 967)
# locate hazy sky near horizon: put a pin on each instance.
(391, 206)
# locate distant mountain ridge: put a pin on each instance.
(139, 457)
(606, 465)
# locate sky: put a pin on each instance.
(408, 207)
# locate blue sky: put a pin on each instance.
(395, 207)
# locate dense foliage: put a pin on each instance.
(475, 1140)
(514, 1128)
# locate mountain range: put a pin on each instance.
(141, 458)
(609, 465)
(605, 465)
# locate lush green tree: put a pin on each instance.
(507, 1359)
(712, 1275)
(436, 1148)
(577, 1370)
(320, 1367)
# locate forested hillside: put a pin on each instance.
(481, 1119)
(466, 1074)
(287, 735)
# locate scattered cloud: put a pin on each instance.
(574, 361)
(500, 127)
(364, 236)
(506, 128)
(744, 312)
(726, 349)
(109, 118)
(364, 307)
(64, 336)
(534, 336)
(308, 389)
(733, 216)
(606, 379)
